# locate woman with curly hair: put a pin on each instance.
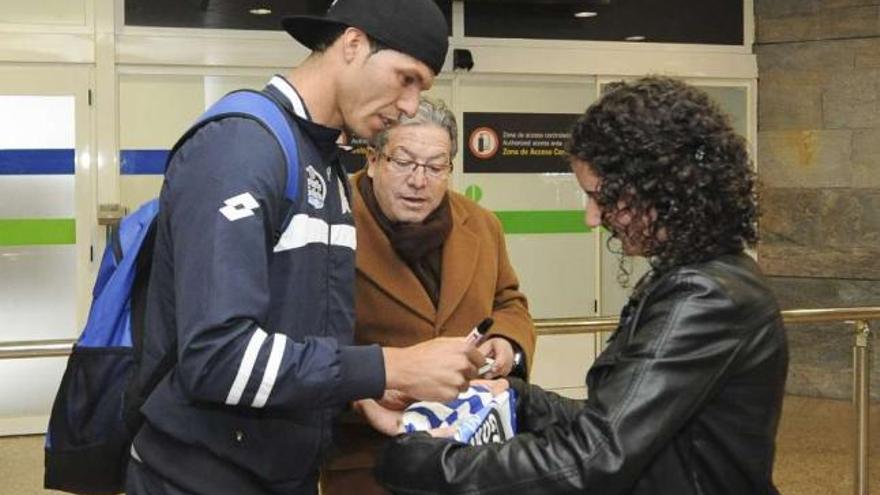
(686, 397)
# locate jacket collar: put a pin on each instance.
(378, 262)
(324, 137)
(290, 97)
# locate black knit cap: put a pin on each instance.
(414, 27)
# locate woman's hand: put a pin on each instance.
(395, 400)
(501, 350)
(382, 419)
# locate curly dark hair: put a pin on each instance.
(663, 149)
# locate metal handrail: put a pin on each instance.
(566, 326)
(859, 317)
(36, 348)
(549, 326)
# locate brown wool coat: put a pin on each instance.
(393, 309)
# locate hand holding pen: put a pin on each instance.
(498, 351)
(478, 334)
(477, 337)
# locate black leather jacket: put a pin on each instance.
(684, 400)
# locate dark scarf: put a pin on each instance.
(419, 245)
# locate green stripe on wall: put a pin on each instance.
(37, 231)
(49, 231)
(543, 222)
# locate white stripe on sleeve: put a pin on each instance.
(279, 342)
(246, 367)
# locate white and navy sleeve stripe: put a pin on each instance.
(258, 369)
(279, 344)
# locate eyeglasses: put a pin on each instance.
(403, 166)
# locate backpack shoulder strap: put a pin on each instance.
(262, 108)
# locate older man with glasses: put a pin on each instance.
(430, 263)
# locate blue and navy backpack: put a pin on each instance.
(96, 411)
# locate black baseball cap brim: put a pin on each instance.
(311, 30)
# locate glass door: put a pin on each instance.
(46, 229)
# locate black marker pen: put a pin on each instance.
(479, 332)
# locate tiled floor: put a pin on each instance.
(816, 447)
(814, 457)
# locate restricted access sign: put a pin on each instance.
(483, 143)
(518, 143)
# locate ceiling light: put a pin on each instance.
(261, 11)
(585, 14)
(635, 38)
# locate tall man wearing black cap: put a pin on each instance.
(262, 329)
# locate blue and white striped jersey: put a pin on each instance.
(478, 417)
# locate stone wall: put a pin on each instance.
(819, 164)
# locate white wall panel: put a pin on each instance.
(217, 86)
(38, 292)
(530, 57)
(136, 190)
(523, 93)
(208, 48)
(154, 110)
(25, 47)
(55, 12)
(557, 272)
(442, 90)
(539, 191)
(561, 361)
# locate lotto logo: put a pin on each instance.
(238, 207)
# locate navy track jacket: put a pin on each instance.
(261, 319)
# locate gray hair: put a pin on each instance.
(430, 112)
